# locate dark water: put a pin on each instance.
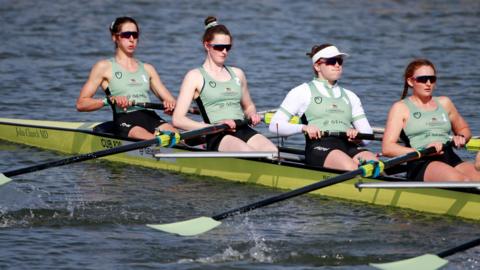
(92, 215)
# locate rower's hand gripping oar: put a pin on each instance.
(426, 261)
(203, 224)
(166, 140)
(108, 101)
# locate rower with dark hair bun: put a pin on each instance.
(124, 80)
(222, 95)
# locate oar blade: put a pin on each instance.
(424, 262)
(189, 227)
(4, 179)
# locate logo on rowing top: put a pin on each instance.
(417, 115)
(118, 74)
(318, 100)
(212, 84)
(237, 81)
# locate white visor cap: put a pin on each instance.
(327, 52)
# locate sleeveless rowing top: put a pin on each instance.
(424, 127)
(220, 100)
(133, 85)
(328, 113)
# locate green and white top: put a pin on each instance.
(330, 108)
(328, 113)
(424, 127)
(220, 100)
(133, 85)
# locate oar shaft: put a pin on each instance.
(210, 129)
(160, 106)
(462, 247)
(325, 183)
(288, 195)
(79, 158)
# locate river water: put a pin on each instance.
(91, 215)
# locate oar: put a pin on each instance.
(160, 106)
(203, 224)
(473, 144)
(426, 261)
(162, 140)
(341, 134)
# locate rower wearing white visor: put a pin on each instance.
(323, 105)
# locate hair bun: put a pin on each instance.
(210, 21)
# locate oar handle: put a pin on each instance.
(360, 136)
(160, 106)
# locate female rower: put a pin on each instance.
(125, 79)
(427, 121)
(222, 95)
(325, 106)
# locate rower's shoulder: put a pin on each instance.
(103, 67)
(444, 100)
(300, 90)
(238, 71)
(399, 106)
(446, 103)
(103, 64)
(194, 73)
(193, 77)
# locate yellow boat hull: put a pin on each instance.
(79, 138)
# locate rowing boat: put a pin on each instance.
(286, 172)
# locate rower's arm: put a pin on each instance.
(248, 106)
(192, 81)
(85, 101)
(395, 123)
(295, 103)
(360, 121)
(159, 89)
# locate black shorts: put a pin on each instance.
(243, 133)
(146, 119)
(416, 168)
(316, 151)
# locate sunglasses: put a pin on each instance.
(425, 79)
(128, 34)
(333, 61)
(221, 47)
